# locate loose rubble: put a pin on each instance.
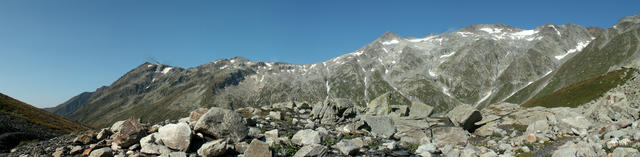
(609, 126)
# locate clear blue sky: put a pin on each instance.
(52, 50)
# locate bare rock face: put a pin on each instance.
(127, 133)
(465, 116)
(175, 136)
(220, 122)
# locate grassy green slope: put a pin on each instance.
(583, 92)
(18, 109)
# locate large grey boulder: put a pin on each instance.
(213, 148)
(379, 105)
(195, 115)
(426, 149)
(127, 133)
(220, 123)
(450, 136)
(258, 148)
(382, 126)
(148, 146)
(333, 111)
(313, 150)
(465, 116)
(347, 147)
(102, 152)
(420, 110)
(175, 136)
(306, 137)
(625, 152)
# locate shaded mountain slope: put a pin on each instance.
(22, 122)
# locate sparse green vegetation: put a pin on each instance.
(582, 92)
(328, 142)
(285, 149)
(373, 144)
(288, 135)
(18, 109)
(495, 135)
(413, 147)
(524, 154)
(349, 136)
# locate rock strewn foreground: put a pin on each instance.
(609, 126)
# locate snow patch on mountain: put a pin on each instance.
(448, 55)
(445, 90)
(390, 42)
(432, 74)
(485, 97)
(166, 70)
(491, 30)
(421, 39)
(557, 32)
(579, 47)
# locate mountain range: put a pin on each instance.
(478, 65)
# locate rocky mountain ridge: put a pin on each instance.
(477, 65)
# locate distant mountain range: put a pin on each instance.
(21, 122)
(477, 65)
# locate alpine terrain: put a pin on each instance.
(484, 90)
(23, 123)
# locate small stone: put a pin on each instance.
(241, 147)
(102, 152)
(213, 148)
(306, 137)
(390, 145)
(86, 138)
(154, 128)
(271, 136)
(195, 115)
(58, 153)
(426, 149)
(177, 154)
(313, 150)
(255, 132)
(258, 148)
(75, 150)
(531, 138)
(277, 115)
(347, 147)
(104, 133)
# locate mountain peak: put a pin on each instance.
(389, 36)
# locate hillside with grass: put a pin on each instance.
(23, 122)
(584, 91)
